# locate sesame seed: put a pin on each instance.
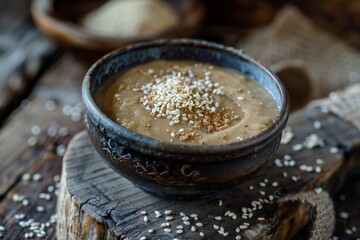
(292, 163)
(238, 237)
(294, 178)
(143, 212)
(262, 184)
(344, 215)
(278, 162)
(32, 141)
(168, 230)
(261, 218)
(56, 178)
(216, 227)
(218, 218)
(317, 124)
(262, 193)
(242, 227)
(19, 216)
(220, 203)
(157, 214)
(275, 184)
(146, 219)
(17, 197)
(180, 227)
(186, 218)
(40, 209)
(297, 147)
(150, 230)
(199, 224)
(179, 231)
(318, 190)
(169, 218)
(35, 129)
(348, 231)
(201, 234)
(167, 212)
(319, 161)
(37, 177)
(186, 222)
(193, 228)
(25, 202)
(143, 238)
(26, 177)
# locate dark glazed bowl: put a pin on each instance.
(58, 19)
(178, 170)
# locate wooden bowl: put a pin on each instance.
(173, 170)
(58, 19)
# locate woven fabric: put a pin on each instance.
(322, 212)
(292, 37)
(345, 104)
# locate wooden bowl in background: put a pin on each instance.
(58, 19)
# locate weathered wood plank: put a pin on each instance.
(25, 149)
(96, 195)
(24, 54)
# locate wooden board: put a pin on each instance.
(23, 152)
(95, 202)
(24, 54)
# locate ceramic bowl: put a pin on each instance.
(172, 170)
(58, 19)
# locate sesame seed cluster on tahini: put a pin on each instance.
(181, 96)
(177, 93)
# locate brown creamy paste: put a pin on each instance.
(187, 102)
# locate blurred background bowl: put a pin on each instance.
(59, 20)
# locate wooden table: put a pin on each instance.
(40, 111)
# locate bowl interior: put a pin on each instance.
(206, 54)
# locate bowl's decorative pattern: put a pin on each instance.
(161, 171)
(178, 170)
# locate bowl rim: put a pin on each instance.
(74, 34)
(175, 148)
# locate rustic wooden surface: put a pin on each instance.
(24, 54)
(95, 201)
(54, 89)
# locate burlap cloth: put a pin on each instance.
(292, 37)
(332, 65)
(322, 212)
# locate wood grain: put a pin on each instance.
(94, 195)
(24, 54)
(61, 87)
